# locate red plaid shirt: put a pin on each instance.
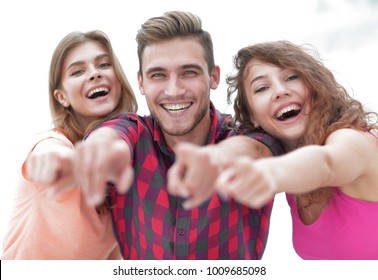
(152, 224)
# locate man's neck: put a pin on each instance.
(197, 135)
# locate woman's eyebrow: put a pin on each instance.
(80, 62)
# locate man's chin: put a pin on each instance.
(177, 132)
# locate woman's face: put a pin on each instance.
(89, 83)
(277, 98)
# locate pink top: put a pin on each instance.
(63, 228)
(346, 229)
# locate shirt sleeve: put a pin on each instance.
(128, 126)
(51, 134)
(273, 144)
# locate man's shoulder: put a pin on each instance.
(130, 123)
(130, 116)
(129, 119)
(223, 120)
(272, 143)
(260, 135)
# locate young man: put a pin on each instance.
(151, 221)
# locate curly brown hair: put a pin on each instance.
(332, 108)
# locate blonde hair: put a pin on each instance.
(331, 106)
(63, 118)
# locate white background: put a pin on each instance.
(344, 32)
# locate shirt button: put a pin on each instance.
(181, 232)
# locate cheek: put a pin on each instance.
(259, 111)
(72, 87)
(254, 106)
(118, 90)
(306, 100)
(148, 96)
(147, 90)
(302, 88)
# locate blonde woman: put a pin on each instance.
(87, 86)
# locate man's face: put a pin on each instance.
(176, 84)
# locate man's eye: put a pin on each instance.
(189, 72)
(157, 75)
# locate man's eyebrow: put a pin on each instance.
(185, 66)
(154, 69)
(196, 66)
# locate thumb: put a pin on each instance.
(183, 151)
(125, 181)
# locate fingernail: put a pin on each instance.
(186, 206)
(94, 200)
(223, 197)
(183, 193)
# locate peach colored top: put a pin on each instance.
(62, 228)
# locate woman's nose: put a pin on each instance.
(280, 90)
(94, 74)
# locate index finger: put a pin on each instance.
(176, 184)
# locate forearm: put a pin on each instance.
(299, 171)
(241, 146)
(106, 133)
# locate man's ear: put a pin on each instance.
(215, 77)
(61, 98)
(140, 83)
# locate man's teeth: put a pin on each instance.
(100, 89)
(176, 107)
(292, 107)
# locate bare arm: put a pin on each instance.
(196, 168)
(340, 162)
(343, 159)
(104, 157)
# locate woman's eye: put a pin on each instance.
(292, 77)
(105, 65)
(261, 89)
(77, 72)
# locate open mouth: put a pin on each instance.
(176, 108)
(288, 112)
(98, 92)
